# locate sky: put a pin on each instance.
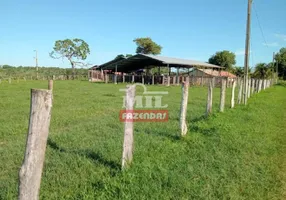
(184, 28)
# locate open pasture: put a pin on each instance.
(237, 154)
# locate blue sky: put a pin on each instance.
(185, 28)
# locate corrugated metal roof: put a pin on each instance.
(179, 61)
(140, 61)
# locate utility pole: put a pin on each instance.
(36, 58)
(246, 59)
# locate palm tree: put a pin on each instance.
(262, 70)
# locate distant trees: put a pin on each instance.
(238, 71)
(147, 46)
(21, 71)
(224, 59)
(280, 58)
(123, 56)
(263, 71)
(75, 50)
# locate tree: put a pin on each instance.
(123, 56)
(224, 59)
(74, 50)
(280, 58)
(238, 71)
(147, 46)
(262, 70)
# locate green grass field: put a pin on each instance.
(238, 154)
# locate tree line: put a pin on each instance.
(76, 51)
(28, 71)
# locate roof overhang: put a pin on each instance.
(140, 61)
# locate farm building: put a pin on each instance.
(211, 73)
(137, 67)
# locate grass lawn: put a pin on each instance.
(238, 154)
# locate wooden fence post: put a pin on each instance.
(232, 94)
(252, 86)
(240, 91)
(50, 85)
(188, 80)
(142, 79)
(54, 77)
(260, 85)
(31, 170)
(106, 78)
(183, 112)
(168, 80)
(128, 128)
(123, 78)
(133, 79)
(222, 94)
(257, 86)
(153, 79)
(210, 98)
(174, 80)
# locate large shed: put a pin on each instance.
(144, 61)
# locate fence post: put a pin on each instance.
(9, 80)
(210, 98)
(174, 80)
(183, 112)
(153, 79)
(54, 77)
(257, 86)
(249, 88)
(188, 80)
(178, 80)
(222, 94)
(123, 78)
(168, 80)
(133, 79)
(143, 79)
(50, 85)
(232, 94)
(240, 91)
(128, 128)
(31, 170)
(106, 78)
(252, 86)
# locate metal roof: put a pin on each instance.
(140, 61)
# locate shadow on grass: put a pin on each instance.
(95, 157)
(205, 131)
(109, 95)
(197, 119)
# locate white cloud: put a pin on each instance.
(281, 36)
(273, 44)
